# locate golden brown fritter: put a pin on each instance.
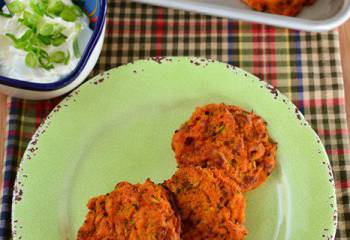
(281, 7)
(132, 212)
(259, 150)
(210, 204)
(227, 138)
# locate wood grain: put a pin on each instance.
(345, 56)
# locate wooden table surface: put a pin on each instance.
(345, 54)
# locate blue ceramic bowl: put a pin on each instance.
(96, 10)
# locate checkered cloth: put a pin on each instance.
(304, 66)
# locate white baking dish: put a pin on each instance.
(324, 15)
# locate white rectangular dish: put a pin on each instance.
(324, 15)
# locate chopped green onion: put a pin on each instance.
(16, 42)
(45, 62)
(48, 66)
(6, 15)
(77, 10)
(28, 47)
(58, 57)
(43, 54)
(59, 40)
(66, 60)
(27, 36)
(16, 7)
(11, 36)
(31, 60)
(76, 48)
(38, 7)
(55, 7)
(36, 42)
(24, 42)
(45, 40)
(57, 30)
(68, 14)
(46, 29)
(41, 33)
(31, 20)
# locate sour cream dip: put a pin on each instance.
(12, 59)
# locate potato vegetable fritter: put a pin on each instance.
(211, 206)
(281, 7)
(222, 151)
(132, 212)
(227, 138)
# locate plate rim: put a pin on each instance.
(193, 60)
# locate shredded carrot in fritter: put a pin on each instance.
(281, 7)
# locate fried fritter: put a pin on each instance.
(132, 212)
(227, 138)
(210, 204)
(281, 7)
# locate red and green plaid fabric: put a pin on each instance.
(304, 66)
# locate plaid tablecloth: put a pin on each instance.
(304, 66)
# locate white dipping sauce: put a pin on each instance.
(12, 60)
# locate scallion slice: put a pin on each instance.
(16, 7)
(27, 36)
(45, 62)
(58, 57)
(6, 15)
(31, 20)
(55, 7)
(66, 60)
(11, 36)
(77, 10)
(68, 14)
(46, 29)
(16, 42)
(45, 40)
(76, 49)
(57, 30)
(38, 7)
(59, 40)
(43, 53)
(31, 60)
(36, 42)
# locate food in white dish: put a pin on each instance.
(281, 7)
(41, 40)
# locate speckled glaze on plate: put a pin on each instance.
(118, 127)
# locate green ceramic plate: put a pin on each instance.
(118, 127)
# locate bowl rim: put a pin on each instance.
(26, 85)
